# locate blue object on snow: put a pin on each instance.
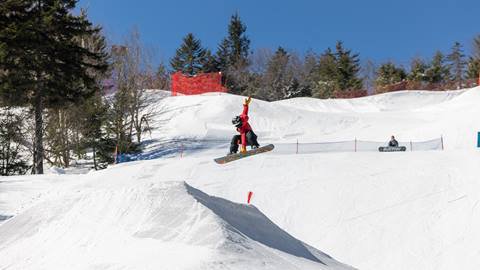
(121, 158)
(478, 140)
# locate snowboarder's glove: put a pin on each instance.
(243, 149)
(247, 101)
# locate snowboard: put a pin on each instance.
(233, 157)
(392, 148)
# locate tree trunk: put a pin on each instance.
(94, 158)
(38, 141)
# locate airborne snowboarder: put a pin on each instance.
(247, 136)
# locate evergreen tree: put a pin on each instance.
(310, 62)
(210, 63)
(473, 69)
(11, 143)
(232, 56)
(223, 55)
(388, 74)
(190, 57)
(234, 49)
(93, 115)
(438, 72)
(418, 69)
(325, 76)
(457, 64)
(43, 63)
(295, 89)
(348, 68)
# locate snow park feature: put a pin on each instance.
(315, 210)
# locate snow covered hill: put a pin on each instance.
(370, 210)
(410, 115)
(143, 221)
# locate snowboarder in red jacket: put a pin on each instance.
(247, 136)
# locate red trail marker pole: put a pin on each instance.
(249, 197)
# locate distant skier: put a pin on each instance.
(247, 136)
(393, 142)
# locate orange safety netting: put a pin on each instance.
(198, 84)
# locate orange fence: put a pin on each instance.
(197, 84)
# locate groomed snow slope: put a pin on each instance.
(137, 221)
(396, 211)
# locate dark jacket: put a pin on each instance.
(393, 143)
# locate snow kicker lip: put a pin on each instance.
(251, 222)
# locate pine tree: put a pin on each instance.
(12, 135)
(43, 63)
(325, 75)
(473, 69)
(223, 55)
(295, 89)
(348, 68)
(233, 51)
(457, 64)
(232, 56)
(418, 70)
(190, 57)
(309, 65)
(438, 72)
(93, 115)
(388, 74)
(210, 63)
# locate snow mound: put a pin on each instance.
(393, 101)
(148, 225)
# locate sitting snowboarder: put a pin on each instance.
(393, 142)
(247, 136)
(392, 146)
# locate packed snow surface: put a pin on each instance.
(367, 210)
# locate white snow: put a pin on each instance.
(370, 210)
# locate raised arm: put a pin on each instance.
(245, 105)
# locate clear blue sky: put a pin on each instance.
(378, 29)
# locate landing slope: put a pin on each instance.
(102, 221)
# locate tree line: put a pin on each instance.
(333, 73)
(451, 71)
